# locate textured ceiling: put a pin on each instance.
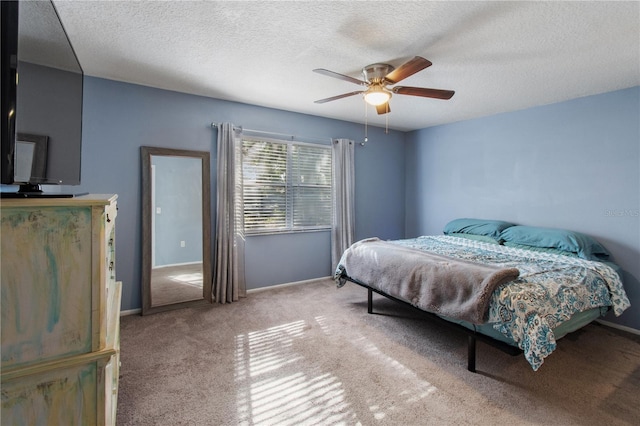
(497, 56)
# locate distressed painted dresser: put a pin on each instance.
(60, 311)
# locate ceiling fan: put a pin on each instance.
(378, 76)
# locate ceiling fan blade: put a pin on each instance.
(383, 109)
(424, 92)
(407, 69)
(333, 98)
(339, 76)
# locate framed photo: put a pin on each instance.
(30, 158)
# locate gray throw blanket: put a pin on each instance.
(440, 284)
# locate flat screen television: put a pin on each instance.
(42, 89)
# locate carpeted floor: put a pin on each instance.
(311, 355)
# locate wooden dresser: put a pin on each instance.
(60, 311)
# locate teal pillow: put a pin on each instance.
(570, 241)
(541, 249)
(489, 228)
(482, 238)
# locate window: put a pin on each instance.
(287, 186)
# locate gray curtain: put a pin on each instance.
(343, 229)
(228, 276)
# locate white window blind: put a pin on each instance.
(287, 186)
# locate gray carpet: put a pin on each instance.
(311, 355)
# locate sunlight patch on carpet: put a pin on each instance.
(272, 390)
(278, 382)
(420, 388)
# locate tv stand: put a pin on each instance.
(32, 188)
(37, 195)
(35, 191)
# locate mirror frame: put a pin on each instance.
(207, 297)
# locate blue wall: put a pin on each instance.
(572, 165)
(121, 117)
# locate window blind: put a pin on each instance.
(287, 186)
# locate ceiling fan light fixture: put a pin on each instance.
(376, 95)
(376, 79)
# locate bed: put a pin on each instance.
(517, 287)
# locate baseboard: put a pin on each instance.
(620, 327)
(272, 287)
(130, 312)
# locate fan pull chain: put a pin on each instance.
(366, 121)
(386, 121)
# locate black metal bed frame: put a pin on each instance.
(473, 335)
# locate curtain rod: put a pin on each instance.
(281, 135)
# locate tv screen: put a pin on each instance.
(42, 89)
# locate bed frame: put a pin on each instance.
(473, 335)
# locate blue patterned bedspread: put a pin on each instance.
(549, 290)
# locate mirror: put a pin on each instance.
(176, 229)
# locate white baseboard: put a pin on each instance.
(271, 287)
(130, 312)
(619, 327)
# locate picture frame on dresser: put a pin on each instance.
(31, 158)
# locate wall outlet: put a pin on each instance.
(183, 244)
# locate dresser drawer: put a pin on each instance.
(79, 390)
(46, 281)
(57, 263)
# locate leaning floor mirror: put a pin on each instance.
(176, 229)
